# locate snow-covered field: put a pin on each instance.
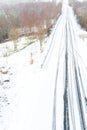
(23, 86)
(26, 90)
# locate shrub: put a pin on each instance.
(80, 9)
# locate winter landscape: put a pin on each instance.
(43, 65)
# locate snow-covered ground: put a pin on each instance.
(27, 90)
(23, 88)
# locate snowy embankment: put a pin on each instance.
(23, 89)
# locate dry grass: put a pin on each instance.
(4, 72)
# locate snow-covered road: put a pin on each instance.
(50, 97)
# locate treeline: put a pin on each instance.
(27, 18)
(80, 9)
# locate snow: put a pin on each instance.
(25, 92)
(26, 101)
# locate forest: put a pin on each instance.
(27, 19)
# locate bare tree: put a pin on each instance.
(13, 35)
